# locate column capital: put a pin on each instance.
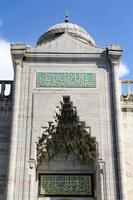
(18, 62)
(114, 61)
(114, 53)
(18, 52)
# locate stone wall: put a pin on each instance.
(5, 119)
(127, 131)
(35, 105)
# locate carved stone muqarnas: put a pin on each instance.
(66, 133)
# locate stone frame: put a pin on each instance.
(67, 195)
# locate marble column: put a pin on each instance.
(14, 133)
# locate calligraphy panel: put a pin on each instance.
(66, 80)
(70, 185)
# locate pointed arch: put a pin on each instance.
(67, 133)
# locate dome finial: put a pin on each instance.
(66, 17)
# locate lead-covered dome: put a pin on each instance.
(72, 29)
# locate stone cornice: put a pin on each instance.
(18, 53)
(29, 54)
(114, 53)
(65, 57)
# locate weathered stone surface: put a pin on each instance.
(77, 136)
(127, 129)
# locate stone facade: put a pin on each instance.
(67, 120)
(127, 127)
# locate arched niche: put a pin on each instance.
(67, 152)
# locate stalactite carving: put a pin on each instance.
(66, 133)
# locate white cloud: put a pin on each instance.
(123, 70)
(6, 69)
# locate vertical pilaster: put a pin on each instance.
(114, 57)
(14, 133)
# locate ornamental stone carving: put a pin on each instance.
(66, 133)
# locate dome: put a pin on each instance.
(72, 29)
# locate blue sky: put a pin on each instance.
(107, 21)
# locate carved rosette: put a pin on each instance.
(66, 133)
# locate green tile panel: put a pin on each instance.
(65, 80)
(66, 185)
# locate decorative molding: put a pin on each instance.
(114, 54)
(66, 133)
